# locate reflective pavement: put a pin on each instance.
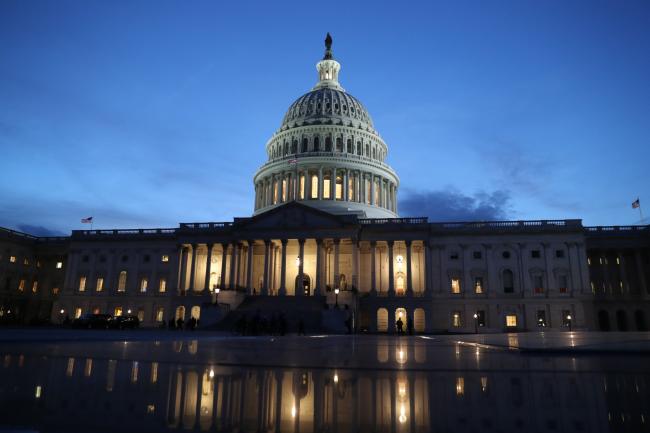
(199, 382)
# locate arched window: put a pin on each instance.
(339, 187)
(305, 144)
(316, 144)
(419, 320)
(314, 186)
(294, 146)
(328, 144)
(180, 313)
(121, 282)
(367, 150)
(359, 148)
(349, 145)
(339, 144)
(195, 312)
(508, 281)
(382, 320)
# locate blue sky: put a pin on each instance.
(151, 113)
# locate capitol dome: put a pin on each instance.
(327, 154)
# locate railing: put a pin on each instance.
(474, 224)
(343, 155)
(624, 229)
(165, 231)
(421, 220)
(193, 226)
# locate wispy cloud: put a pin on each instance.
(453, 205)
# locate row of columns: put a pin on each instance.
(287, 148)
(287, 186)
(236, 250)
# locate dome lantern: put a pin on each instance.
(328, 69)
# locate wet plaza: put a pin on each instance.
(61, 380)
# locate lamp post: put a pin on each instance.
(476, 323)
(568, 317)
(336, 292)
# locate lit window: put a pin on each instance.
(38, 264)
(460, 386)
(154, 371)
(70, 368)
(55, 290)
(117, 311)
(82, 284)
(143, 285)
(162, 285)
(26, 262)
(314, 186)
(511, 321)
(34, 286)
(100, 284)
(121, 283)
(589, 261)
(88, 369)
(160, 314)
(21, 286)
(77, 312)
(59, 265)
(455, 285)
(12, 259)
(301, 193)
(164, 258)
(141, 315)
(455, 319)
(478, 285)
(326, 187)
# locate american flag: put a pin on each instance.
(636, 203)
(88, 220)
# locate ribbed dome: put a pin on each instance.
(327, 106)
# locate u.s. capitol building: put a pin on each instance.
(326, 244)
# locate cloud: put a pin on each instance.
(38, 230)
(453, 205)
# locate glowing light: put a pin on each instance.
(151, 408)
(297, 262)
(37, 394)
(402, 414)
(293, 412)
(336, 291)
(336, 378)
(128, 311)
(62, 311)
(211, 373)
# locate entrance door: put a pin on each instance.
(306, 284)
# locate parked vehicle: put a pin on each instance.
(93, 321)
(125, 322)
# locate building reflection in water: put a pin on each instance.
(110, 394)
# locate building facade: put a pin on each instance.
(326, 226)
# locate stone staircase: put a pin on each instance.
(308, 308)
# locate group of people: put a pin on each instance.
(180, 324)
(259, 324)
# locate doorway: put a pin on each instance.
(305, 286)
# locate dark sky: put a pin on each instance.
(151, 113)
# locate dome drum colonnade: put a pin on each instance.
(328, 155)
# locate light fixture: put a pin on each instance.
(62, 311)
(217, 290)
(336, 378)
(568, 317)
(211, 374)
(336, 291)
(476, 315)
(293, 412)
(128, 311)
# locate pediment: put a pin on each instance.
(295, 216)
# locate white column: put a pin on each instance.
(321, 183)
(265, 285)
(391, 275)
(337, 245)
(193, 268)
(409, 271)
(283, 270)
(319, 265)
(333, 184)
(373, 265)
(224, 256)
(372, 189)
(249, 268)
(206, 285)
(301, 267)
